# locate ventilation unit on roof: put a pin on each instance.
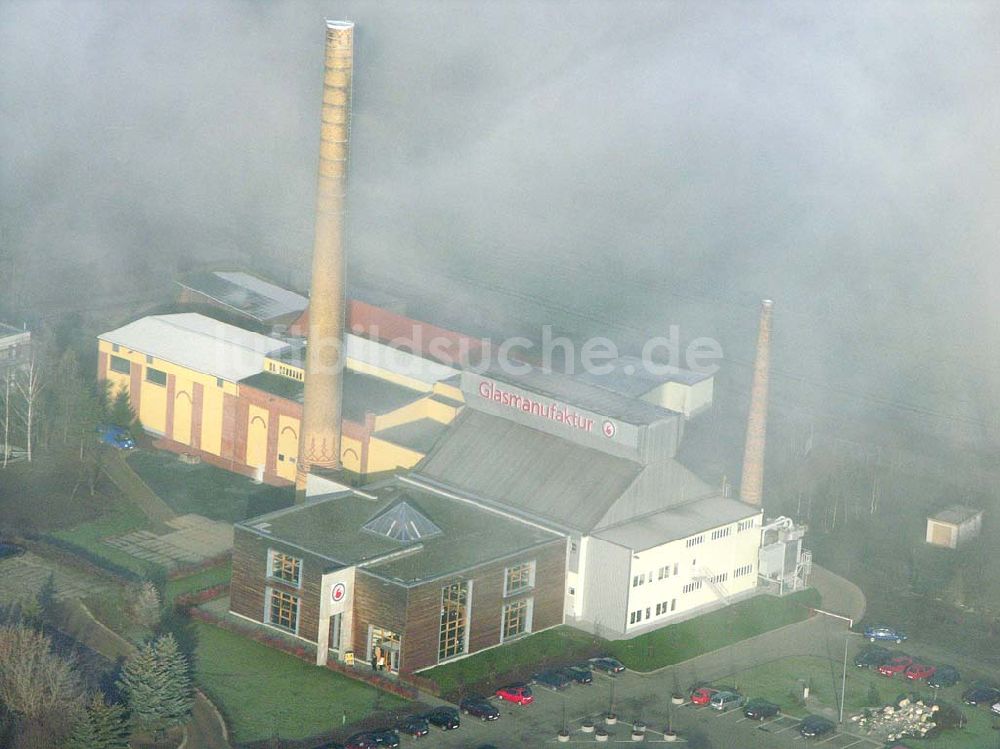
(402, 522)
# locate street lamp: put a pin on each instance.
(847, 640)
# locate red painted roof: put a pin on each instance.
(421, 338)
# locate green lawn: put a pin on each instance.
(663, 647)
(741, 621)
(265, 693)
(119, 517)
(781, 681)
(206, 490)
(198, 581)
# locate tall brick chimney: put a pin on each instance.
(319, 438)
(752, 483)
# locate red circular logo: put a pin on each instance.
(609, 429)
(338, 592)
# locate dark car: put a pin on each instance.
(413, 725)
(479, 707)
(581, 673)
(363, 740)
(386, 737)
(981, 695)
(872, 657)
(9, 550)
(552, 678)
(884, 633)
(758, 709)
(445, 718)
(607, 665)
(945, 676)
(815, 725)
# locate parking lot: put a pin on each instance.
(698, 727)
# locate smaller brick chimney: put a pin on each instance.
(752, 483)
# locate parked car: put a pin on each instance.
(702, 695)
(607, 664)
(995, 708)
(9, 550)
(872, 656)
(445, 718)
(413, 725)
(916, 671)
(726, 700)
(386, 737)
(896, 665)
(552, 678)
(519, 694)
(116, 437)
(884, 633)
(981, 695)
(363, 740)
(758, 709)
(944, 676)
(815, 725)
(580, 673)
(479, 707)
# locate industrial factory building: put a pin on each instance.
(234, 397)
(520, 501)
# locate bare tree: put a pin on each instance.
(39, 687)
(29, 384)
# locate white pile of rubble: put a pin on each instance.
(906, 719)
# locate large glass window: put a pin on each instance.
(454, 615)
(284, 567)
(283, 610)
(516, 618)
(120, 365)
(518, 578)
(156, 376)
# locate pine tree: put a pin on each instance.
(122, 415)
(101, 726)
(178, 695)
(156, 682)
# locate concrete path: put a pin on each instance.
(207, 729)
(132, 486)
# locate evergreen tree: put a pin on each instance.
(178, 695)
(121, 414)
(156, 682)
(101, 726)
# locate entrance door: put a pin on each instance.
(386, 644)
(334, 643)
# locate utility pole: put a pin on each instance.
(847, 640)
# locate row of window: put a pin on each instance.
(122, 365)
(744, 525)
(290, 372)
(721, 532)
(695, 541)
(696, 585)
(720, 578)
(635, 617)
(743, 571)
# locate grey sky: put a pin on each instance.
(645, 163)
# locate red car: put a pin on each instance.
(702, 695)
(919, 671)
(519, 694)
(897, 665)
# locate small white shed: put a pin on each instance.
(954, 526)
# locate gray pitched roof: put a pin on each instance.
(673, 523)
(533, 473)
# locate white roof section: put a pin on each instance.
(396, 360)
(197, 342)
